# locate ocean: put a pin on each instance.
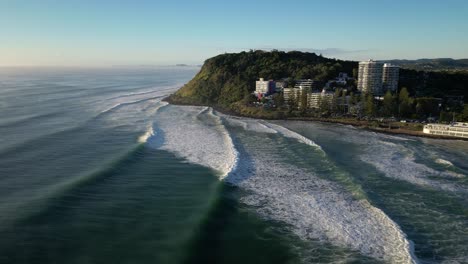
(96, 168)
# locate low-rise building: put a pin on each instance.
(307, 84)
(291, 94)
(313, 100)
(316, 98)
(264, 88)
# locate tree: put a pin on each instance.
(464, 115)
(405, 103)
(336, 101)
(278, 98)
(303, 99)
(291, 82)
(293, 101)
(388, 108)
(324, 105)
(426, 106)
(355, 73)
(369, 105)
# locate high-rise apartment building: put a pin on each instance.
(377, 78)
(391, 75)
(370, 77)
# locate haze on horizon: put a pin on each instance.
(100, 33)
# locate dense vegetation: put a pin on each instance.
(228, 80)
(435, 83)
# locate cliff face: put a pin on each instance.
(228, 78)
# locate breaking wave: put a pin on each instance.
(312, 207)
(198, 135)
(119, 105)
(291, 134)
(398, 162)
(249, 124)
(150, 131)
(444, 162)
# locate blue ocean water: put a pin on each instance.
(95, 168)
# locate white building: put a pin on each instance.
(315, 99)
(370, 77)
(454, 130)
(292, 94)
(306, 84)
(263, 88)
(391, 75)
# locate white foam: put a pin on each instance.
(149, 133)
(314, 208)
(443, 162)
(397, 161)
(118, 105)
(149, 130)
(250, 125)
(199, 136)
(291, 134)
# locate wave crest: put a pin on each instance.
(198, 135)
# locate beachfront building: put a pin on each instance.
(370, 77)
(264, 88)
(313, 100)
(292, 95)
(316, 98)
(390, 77)
(452, 130)
(306, 84)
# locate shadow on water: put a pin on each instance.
(232, 234)
(144, 209)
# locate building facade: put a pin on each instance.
(390, 77)
(264, 88)
(307, 84)
(370, 77)
(316, 98)
(292, 94)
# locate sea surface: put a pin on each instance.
(95, 168)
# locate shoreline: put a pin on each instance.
(355, 123)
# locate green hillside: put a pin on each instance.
(228, 78)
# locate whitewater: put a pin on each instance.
(94, 161)
(314, 208)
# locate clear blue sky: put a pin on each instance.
(105, 32)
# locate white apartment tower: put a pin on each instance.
(391, 74)
(370, 77)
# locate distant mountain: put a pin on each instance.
(438, 64)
